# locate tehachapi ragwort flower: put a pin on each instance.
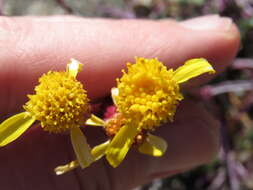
(60, 103)
(147, 96)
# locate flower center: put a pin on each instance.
(60, 102)
(114, 124)
(147, 95)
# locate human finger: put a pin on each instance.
(30, 46)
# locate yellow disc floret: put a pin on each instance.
(60, 102)
(147, 94)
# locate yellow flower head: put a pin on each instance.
(60, 102)
(147, 96)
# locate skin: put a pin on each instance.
(30, 46)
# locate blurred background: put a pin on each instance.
(229, 97)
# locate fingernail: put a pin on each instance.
(209, 22)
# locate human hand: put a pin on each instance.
(30, 46)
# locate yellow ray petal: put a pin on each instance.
(97, 152)
(81, 147)
(120, 145)
(153, 145)
(14, 126)
(73, 67)
(66, 168)
(114, 94)
(95, 121)
(192, 68)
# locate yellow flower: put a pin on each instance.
(147, 96)
(60, 104)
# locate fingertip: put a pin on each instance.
(216, 38)
(221, 37)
